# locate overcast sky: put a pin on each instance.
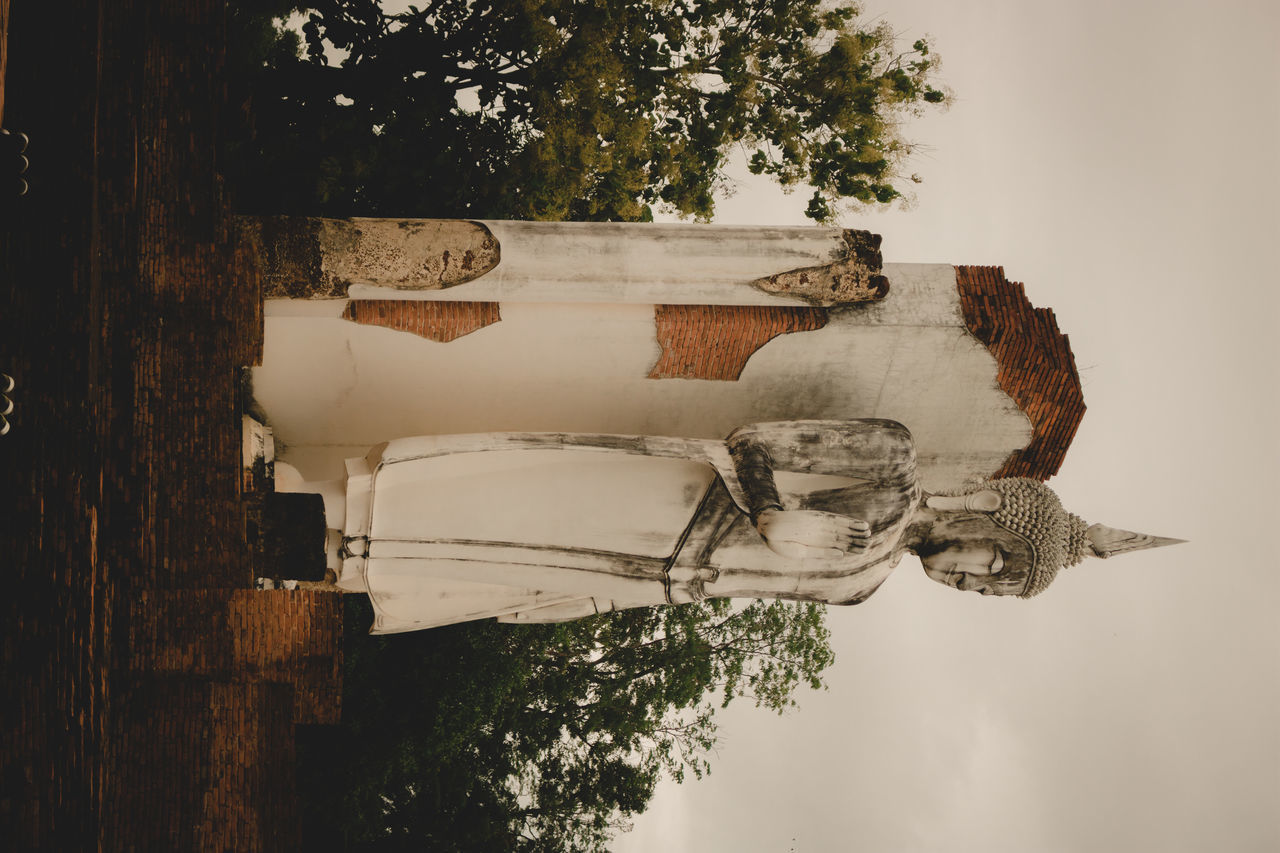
(1120, 159)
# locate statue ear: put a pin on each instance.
(986, 500)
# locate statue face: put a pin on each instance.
(969, 551)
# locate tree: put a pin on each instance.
(562, 109)
(542, 737)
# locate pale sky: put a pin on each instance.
(1120, 159)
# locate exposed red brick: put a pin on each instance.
(131, 308)
(198, 765)
(436, 321)
(4, 51)
(1037, 368)
(715, 341)
(287, 636)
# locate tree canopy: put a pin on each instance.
(562, 109)
(541, 737)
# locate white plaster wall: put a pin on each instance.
(638, 263)
(331, 388)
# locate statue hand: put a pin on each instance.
(811, 535)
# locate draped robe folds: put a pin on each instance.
(537, 527)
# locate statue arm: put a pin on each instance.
(873, 449)
(797, 534)
(754, 467)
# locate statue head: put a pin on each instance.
(1012, 537)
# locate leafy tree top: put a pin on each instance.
(564, 109)
(542, 737)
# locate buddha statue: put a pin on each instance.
(536, 527)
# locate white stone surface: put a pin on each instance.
(333, 388)
(531, 526)
(605, 501)
(636, 263)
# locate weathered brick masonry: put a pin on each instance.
(1037, 368)
(715, 341)
(436, 321)
(150, 695)
(224, 738)
(279, 636)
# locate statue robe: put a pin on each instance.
(533, 527)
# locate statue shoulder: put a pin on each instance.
(837, 426)
(874, 448)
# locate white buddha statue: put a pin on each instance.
(530, 527)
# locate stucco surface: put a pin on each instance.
(332, 388)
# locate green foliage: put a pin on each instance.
(540, 737)
(562, 109)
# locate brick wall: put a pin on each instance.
(1037, 368)
(292, 637)
(4, 51)
(436, 321)
(130, 311)
(202, 761)
(715, 341)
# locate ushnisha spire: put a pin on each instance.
(1107, 541)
